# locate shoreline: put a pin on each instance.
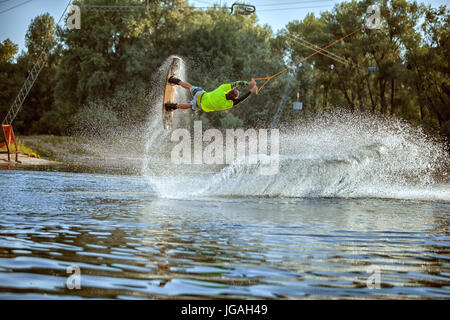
(25, 161)
(74, 154)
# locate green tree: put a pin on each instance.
(39, 38)
(40, 35)
(112, 53)
(412, 67)
(429, 63)
(10, 78)
(7, 51)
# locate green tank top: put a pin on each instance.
(216, 99)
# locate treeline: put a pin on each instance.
(400, 69)
(104, 71)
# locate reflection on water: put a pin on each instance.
(128, 243)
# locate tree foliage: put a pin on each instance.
(111, 60)
(409, 53)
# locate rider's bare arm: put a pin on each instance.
(238, 84)
(253, 89)
(240, 99)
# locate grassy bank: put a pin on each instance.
(58, 148)
(23, 148)
(118, 152)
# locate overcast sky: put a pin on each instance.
(16, 15)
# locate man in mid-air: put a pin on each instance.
(224, 97)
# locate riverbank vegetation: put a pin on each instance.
(22, 148)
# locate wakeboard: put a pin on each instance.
(170, 93)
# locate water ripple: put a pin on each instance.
(131, 245)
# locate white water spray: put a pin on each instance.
(340, 154)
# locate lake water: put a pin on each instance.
(358, 207)
(129, 241)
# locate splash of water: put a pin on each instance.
(345, 154)
(339, 154)
(156, 138)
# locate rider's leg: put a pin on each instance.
(177, 81)
(183, 106)
(173, 106)
(185, 85)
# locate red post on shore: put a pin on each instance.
(6, 139)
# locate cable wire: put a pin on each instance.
(296, 8)
(18, 5)
(304, 59)
(291, 3)
(316, 48)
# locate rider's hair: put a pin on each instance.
(232, 94)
